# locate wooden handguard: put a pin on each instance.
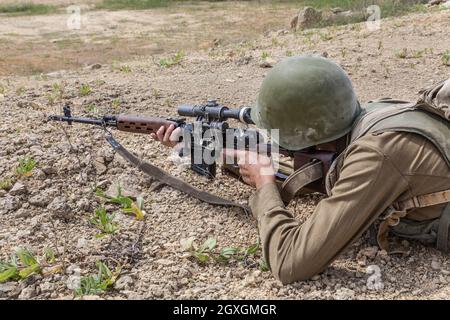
(139, 124)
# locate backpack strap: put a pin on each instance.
(400, 209)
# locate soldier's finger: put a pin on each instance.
(168, 132)
(160, 133)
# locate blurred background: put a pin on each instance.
(45, 35)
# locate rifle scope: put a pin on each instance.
(213, 111)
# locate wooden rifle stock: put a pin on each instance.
(139, 124)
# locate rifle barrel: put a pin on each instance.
(108, 121)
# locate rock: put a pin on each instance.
(57, 74)
(7, 287)
(23, 213)
(370, 252)
(267, 63)
(127, 185)
(96, 66)
(435, 265)
(123, 283)
(60, 208)
(28, 293)
(48, 170)
(73, 282)
(18, 189)
(99, 165)
(84, 204)
(39, 200)
(9, 203)
(306, 18)
(47, 287)
(3, 192)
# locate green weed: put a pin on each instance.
(104, 222)
(172, 61)
(85, 89)
(26, 165)
(99, 283)
(446, 58)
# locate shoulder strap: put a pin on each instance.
(299, 179)
(170, 180)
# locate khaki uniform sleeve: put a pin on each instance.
(367, 184)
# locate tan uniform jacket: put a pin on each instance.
(377, 171)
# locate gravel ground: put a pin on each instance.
(53, 206)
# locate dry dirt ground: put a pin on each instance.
(42, 43)
(55, 204)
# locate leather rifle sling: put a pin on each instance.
(170, 180)
(299, 179)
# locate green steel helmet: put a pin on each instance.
(310, 99)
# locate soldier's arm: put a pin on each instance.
(368, 183)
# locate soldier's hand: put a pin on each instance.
(169, 137)
(255, 169)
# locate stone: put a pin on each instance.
(39, 200)
(60, 208)
(123, 283)
(435, 265)
(28, 293)
(127, 184)
(370, 252)
(267, 63)
(9, 203)
(47, 287)
(7, 287)
(306, 18)
(18, 189)
(96, 66)
(99, 165)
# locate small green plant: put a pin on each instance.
(402, 54)
(115, 103)
(265, 55)
(207, 251)
(446, 58)
(263, 266)
(20, 91)
(125, 69)
(91, 108)
(56, 94)
(127, 205)
(6, 183)
(2, 90)
(26, 165)
(172, 61)
(104, 222)
(289, 53)
(85, 89)
(21, 265)
(97, 284)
